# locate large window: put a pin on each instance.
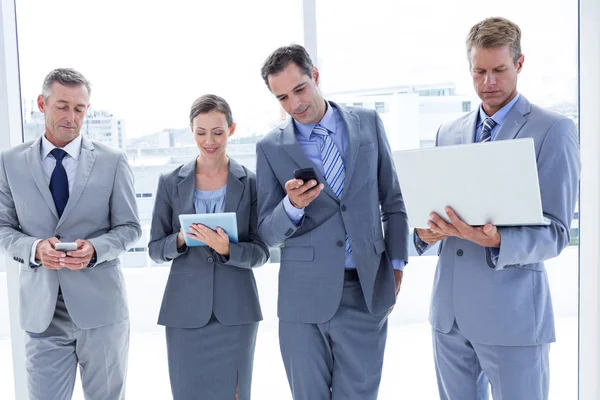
(6, 365)
(147, 64)
(411, 57)
(406, 59)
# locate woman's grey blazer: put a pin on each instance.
(201, 281)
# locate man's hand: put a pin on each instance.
(80, 258)
(217, 240)
(486, 236)
(429, 236)
(302, 194)
(46, 255)
(398, 276)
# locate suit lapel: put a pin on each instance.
(352, 124)
(235, 187)
(84, 169)
(469, 128)
(514, 120)
(185, 188)
(291, 146)
(34, 160)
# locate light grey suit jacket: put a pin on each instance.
(101, 209)
(371, 211)
(508, 303)
(201, 281)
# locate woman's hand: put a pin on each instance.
(217, 240)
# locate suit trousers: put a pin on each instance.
(53, 355)
(463, 369)
(340, 359)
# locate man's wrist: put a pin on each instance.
(294, 204)
(498, 241)
(37, 257)
(93, 260)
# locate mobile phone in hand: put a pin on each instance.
(306, 174)
(65, 246)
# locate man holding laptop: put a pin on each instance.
(491, 309)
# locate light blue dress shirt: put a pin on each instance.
(498, 118)
(209, 201)
(333, 122)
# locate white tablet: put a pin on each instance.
(227, 221)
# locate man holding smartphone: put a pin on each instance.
(344, 241)
(68, 211)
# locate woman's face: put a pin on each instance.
(211, 131)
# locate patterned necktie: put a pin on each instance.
(59, 182)
(486, 130)
(333, 166)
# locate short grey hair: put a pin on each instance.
(66, 77)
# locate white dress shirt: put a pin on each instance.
(70, 162)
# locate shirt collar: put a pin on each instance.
(500, 115)
(328, 122)
(73, 148)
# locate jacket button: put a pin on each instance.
(459, 252)
(210, 260)
(343, 208)
(340, 243)
(289, 232)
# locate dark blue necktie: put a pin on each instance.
(59, 182)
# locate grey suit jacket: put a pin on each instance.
(101, 209)
(201, 281)
(370, 210)
(508, 303)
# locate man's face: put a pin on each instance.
(495, 76)
(64, 111)
(299, 94)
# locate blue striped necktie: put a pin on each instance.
(333, 166)
(486, 130)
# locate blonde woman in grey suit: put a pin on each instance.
(210, 306)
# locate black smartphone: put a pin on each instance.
(306, 174)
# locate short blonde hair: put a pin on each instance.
(495, 32)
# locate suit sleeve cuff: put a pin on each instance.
(32, 262)
(420, 245)
(398, 264)
(234, 257)
(501, 257)
(171, 250)
(295, 214)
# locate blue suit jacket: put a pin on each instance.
(370, 210)
(507, 302)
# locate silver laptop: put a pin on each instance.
(493, 182)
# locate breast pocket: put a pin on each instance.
(365, 148)
(297, 254)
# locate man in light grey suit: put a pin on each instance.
(491, 309)
(343, 240)
(65, 188)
